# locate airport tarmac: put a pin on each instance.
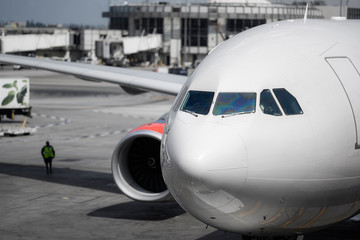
(84, 121)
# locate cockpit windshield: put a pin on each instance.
(198, 102)
(288, 102)
(230, 103)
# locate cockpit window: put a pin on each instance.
(234, 103)
(268, 104)
(288, 102)
(198, 102)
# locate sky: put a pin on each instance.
(80, 12)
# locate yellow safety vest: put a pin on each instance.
(48, 152)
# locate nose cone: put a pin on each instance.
(205, 150)
(204, 166)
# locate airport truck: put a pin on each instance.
(14, 97)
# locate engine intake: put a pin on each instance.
(136, 165)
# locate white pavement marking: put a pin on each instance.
(62, 120)
(65, 121)
(101, 134)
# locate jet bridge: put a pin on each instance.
(32, 42)
(115, 51)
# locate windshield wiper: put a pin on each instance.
(234, 114)
(191, 112)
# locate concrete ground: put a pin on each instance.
(84, 121)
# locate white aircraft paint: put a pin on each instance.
(260, 174)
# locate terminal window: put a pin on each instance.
(353, 13)
(119, 23)
(197, 32)
(151, 25)
(239, 25)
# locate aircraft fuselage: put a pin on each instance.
(279, 166)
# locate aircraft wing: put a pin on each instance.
(144, 80)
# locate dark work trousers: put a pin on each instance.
(48, 162)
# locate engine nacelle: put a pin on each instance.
(136, 164)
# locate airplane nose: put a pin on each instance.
(205, 168)
(207, 151)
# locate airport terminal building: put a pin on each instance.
(150, 33)
(189, 32)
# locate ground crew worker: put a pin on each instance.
(48, 153)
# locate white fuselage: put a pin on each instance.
(262, 174)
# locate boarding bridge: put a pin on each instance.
(143, 43)
(33, 42)
(115, 50)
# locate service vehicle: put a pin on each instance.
(14, 97)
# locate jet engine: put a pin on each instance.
(136, 164)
